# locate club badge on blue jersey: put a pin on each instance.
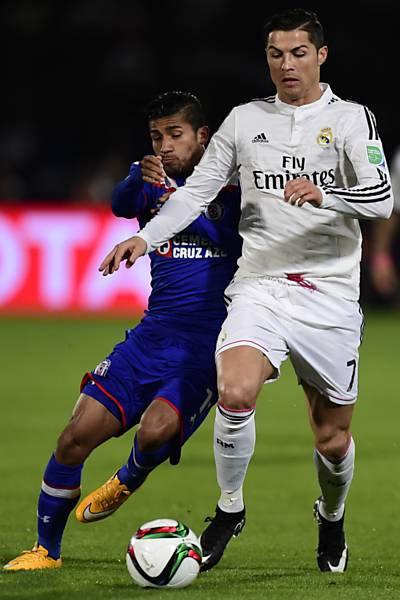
(215, 211)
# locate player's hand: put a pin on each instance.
(301, 190)
(162, 200)
(129, 250)
(153, 170)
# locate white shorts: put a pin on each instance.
(320, 333)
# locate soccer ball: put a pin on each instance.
(164, 553)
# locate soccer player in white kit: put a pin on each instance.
(310, 165)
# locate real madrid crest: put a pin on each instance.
(214, 211)
(325, 137)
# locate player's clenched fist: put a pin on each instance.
(128, 250)
(302, 190)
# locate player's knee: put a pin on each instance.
(155, 431)
(237, 394)
(333, 443)
(72, 447)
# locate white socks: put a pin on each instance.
(234, 441)
(334, 480)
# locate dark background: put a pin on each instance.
(76, 75)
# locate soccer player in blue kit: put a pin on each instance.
(163, 375)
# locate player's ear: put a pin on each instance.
(203, 133)
(322, 55)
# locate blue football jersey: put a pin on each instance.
(191, 271)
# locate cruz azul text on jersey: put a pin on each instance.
(185, 245)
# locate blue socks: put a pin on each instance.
(140, 464)
(61, 490)
(58, 497)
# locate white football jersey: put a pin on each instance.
(332, 142)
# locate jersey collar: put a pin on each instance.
(316, 106)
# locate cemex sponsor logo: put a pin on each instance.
(185, 245)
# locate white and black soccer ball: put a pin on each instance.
(164, 553)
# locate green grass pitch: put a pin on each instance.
(42, 361)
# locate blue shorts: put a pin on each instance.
(155, 362)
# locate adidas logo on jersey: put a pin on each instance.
(261, 137)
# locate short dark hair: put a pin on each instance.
(170, 103)
(297, 18)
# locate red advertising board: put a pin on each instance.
(49, 258)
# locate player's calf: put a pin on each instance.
(91, 425)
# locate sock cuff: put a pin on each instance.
(61, 480)
(235, 416)
(149, 460)
(344, 463)
(58, 492)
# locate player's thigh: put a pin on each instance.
(251, 345)
(254, 320)
(159, 423)
(91, 415)
(124, 380)
(190, 394)
(91, 424)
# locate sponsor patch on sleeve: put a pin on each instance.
(375, 155)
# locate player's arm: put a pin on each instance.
(220, 224)
(188, 202)
(131, 197)
(372, 198)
